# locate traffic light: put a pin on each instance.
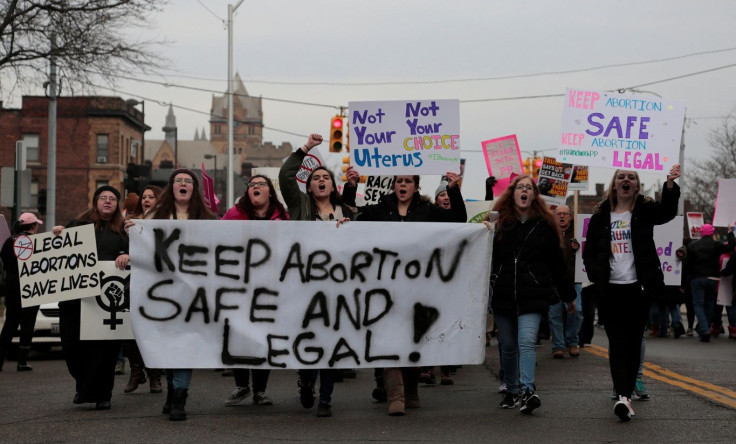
(527, 166)
(336, 134)
(347, 137)
(536, 165)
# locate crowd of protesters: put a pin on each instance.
(532, 280)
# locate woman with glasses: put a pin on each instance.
(528, 273)
(258, 202)
(405, 204)
(92, 363)
(621, 259)
(182, 200)
(320, 203)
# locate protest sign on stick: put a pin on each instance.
(553, 180)
(259, 294)
(724, 214)
(633, 132)
(694, 223)
(405, 137)
(503, 158)
(58, 268)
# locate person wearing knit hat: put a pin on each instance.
(92, 363)
(703, 269)
(441, 198)
(15, 315)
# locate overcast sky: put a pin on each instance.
(320, 51)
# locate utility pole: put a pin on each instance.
(51, 152)
(230, 184)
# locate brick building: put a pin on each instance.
(96, 138)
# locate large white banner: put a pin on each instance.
(405, 137)
(58, 268)
(208, 294)
(107, 316)
(667, 239)
(632, 132)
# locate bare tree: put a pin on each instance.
(93, 40)
(702, 175)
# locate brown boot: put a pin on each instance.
(154, 376)
(411, 387)
(394, 382)
(136, 377)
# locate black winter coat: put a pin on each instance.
(529, 270)
(420, 210)
(647, 213)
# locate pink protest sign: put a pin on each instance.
(503, 159)
(208, 191)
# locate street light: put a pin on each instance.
(214, 174)
(230, 184)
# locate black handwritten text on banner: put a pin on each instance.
(208, 294)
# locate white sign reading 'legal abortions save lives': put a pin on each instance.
(405, 137)
(208, 294)
(58, 268)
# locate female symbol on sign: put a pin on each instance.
(116, 298)
(23, 248)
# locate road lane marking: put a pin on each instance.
(705, 389)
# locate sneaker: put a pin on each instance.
(260, 398)
(379, 394)
(529, 402)
(306, 394)
(623, 409)
(689, 332)
(640, 391)
(510, 401)
(120, 368)
(731, 332)
(324, 410)
(679, 330)
(239, 394)
(502, 389)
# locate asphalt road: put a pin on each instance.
(693, 388)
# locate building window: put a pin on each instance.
(34, 194)
(217, 129)
(101, 183)
(103, 148)
(31, 142)
(251, 130)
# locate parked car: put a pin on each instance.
(46, 331)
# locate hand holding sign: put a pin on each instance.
(353, 176)
(673, 174)
(452, 179)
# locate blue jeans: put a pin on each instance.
(179, 377)
(705, 292)
(326, 382)
(565, 329)
(517, 337)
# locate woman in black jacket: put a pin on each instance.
(621, 260)
(528, 273)
(405, 204)
(92, 363)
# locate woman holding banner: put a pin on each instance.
(321, 203)
(92, 363)
(15, 315)
(528, 273)
(621, 259)
(181, 199)
(405, 204)
(147, 200)
(259, 202)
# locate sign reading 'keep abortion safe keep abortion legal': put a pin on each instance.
(632, 132)
(405, 137)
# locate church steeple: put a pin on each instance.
(170, 128)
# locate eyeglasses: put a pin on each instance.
(108, 199)
(524, 187)
(183, 180)
(257, 185)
